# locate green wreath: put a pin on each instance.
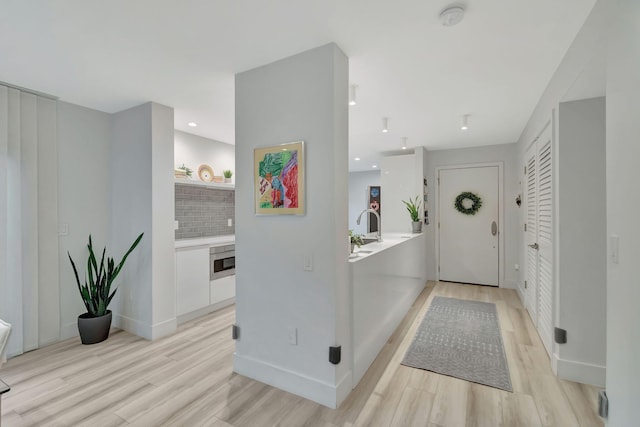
(475, 206)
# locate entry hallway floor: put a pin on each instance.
(187, 380)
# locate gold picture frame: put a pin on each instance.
(278, 177)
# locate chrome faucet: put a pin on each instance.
(379, 221)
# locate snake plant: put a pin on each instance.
(96, 291)
(413, 207)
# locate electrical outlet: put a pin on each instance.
(230, 222)
(293, 335)
(516, 267)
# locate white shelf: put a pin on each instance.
(194, 183)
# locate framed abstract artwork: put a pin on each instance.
(279, 179)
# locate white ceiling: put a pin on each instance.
(111, 55)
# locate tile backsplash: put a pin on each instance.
(204, 212)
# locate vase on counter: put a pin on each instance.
(416, 226)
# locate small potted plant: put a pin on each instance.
(413, 206)
(96, 293)
(227, 175)
(355, 239)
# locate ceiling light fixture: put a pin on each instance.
(404, 142)
(465, 122)
(385, 124)
(352, 94)
(451, 16)
(357, 159)
(374, 166)
(192, 124)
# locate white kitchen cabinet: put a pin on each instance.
(192, 273)
(222, 289)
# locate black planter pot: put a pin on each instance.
(94, 329)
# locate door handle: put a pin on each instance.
(494, 228)
(534, 246)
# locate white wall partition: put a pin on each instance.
(303, 97)
(582, 245)
(623, 204)
(83, 194)
(28, 218)
(142, 200)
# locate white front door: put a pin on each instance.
(469, 244)
(539, 240)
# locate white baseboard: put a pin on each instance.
(133, 326)
(144, 330)
(206, 310)
(579, 371)
(69, 330)
(310, 388)
(344, 387)
(164, 328)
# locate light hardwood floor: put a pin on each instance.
(186, 380)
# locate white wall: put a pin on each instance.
(623, 205)
(83, 205)
(303, 97)
(582, 240)
(588, 45)
(141, 200)
(358, 183)
(398, 183)
(193, 150)
(505, 153)
(568, 81)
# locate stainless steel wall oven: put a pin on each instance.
(223, 261)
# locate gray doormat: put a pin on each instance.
(461, 339)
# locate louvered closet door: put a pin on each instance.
(545, 239)
(539, 235)
(531, 277)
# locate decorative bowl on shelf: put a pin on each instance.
(205, 173)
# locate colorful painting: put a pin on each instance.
(279, 179)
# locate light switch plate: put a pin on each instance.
(308, 262)
(293, 335)
(614, 243)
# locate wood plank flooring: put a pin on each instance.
(187, 380)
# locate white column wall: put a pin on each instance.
(141, 200)
(623, 205)
(303, 97)
(582, 244)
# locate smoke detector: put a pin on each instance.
(451, 16)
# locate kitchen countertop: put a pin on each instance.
(389, 240)
(206, 241)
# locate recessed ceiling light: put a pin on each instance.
(192, 124)
(357, 159)
(404, 142)
(352, 94)
(385, 124)
(465, 122)
(374, 166)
